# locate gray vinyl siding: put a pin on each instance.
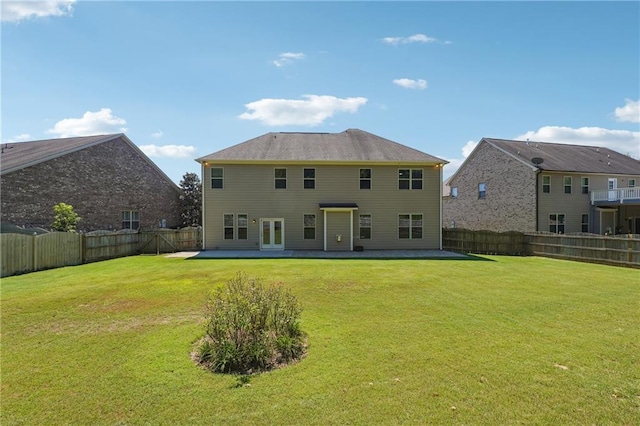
(338, 224)
(250, 189)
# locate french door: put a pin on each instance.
(272, 234)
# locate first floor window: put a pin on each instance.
(632, 183)
(546, 184)
(130, 219)
(243, 225)
(365, 226)
(217, 177)
(410, 226)
(309, 227)
(556, 223)
(482, 190)
(228, 226)
(584, 183)
(585, 223)
(280, 178)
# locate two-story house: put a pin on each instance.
(321, 191)
(507, 185)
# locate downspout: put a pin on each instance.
(202, 173)
(441, 167)
(537, 197)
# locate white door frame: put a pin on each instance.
(271, 245)
(612, 186)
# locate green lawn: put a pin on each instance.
(502, 341)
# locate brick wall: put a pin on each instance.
(99, 182)
(509, 203)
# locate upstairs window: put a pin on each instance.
(365, 226)
(454, 192)
(584, 184)
(130, 219)
(410, 179)
(567, 184)
(309, 178)
(280, 178)
(482, 190)
(365, 178)
(632, 183)
(217, 177)
(546, 184)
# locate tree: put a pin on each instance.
(65, 218)
(191, 200)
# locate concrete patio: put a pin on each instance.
(318, 254)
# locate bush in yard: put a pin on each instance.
(250, 327)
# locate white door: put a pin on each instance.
(613, 186)
(272, 234)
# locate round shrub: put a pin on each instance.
(250, 327)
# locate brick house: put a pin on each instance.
(321, 191)
(507, 185)
(110, 183)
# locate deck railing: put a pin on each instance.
(619, 195)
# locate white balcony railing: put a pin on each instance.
(619, 195)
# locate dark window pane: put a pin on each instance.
(228, 233)
(365, 184)
(416, 184)
(403, 184)
(216, 172)
(242, 233)
(281, 184)
(403, 233)
(281, 173)
(309, 173)
(365, 173)
(416, 174)
(404, 173)
(309, 233)
(216, 183)
(365, 233)
(309, 184)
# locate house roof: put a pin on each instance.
(20, 155)
(568, 158)
(352, 145)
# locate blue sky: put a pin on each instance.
(184, 79)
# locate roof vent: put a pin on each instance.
(537, 160)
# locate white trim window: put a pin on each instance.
(410, 226)
(454, 192)
(217, 178)
(410, 179)
(631, 183)
(243, 226)
(584, 184)
(546, 184)
(309, 226)
(280, 176)
(228, 226)
(130, 219)
(585, 223)
(568, 183)
(556, 223)
(309, 178)
(364, 223)
(365, 178)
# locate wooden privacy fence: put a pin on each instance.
(27, 253)
(620, 250)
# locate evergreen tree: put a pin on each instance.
(65, 219)
(191, 200)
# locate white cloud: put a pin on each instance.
(311, 111)
(286, 58)
(623, 141)
(91, 123)
(455, 163)
(416, 38)
(172, 151)
(408, 83)
(16, 11)
(157, 134)
(629, 112)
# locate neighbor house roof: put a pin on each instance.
(568, 158)
(352, 145)
(20, 155)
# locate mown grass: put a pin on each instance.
(502, 341)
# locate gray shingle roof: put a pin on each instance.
(569, 158)
(352, 145)
(18, 155)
